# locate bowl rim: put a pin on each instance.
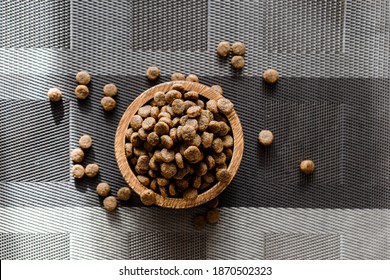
(127, 172)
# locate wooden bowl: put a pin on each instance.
(131, 178)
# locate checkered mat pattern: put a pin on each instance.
(332, 105)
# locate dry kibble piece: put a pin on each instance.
(143, 162)
(172, 190)
(179, 86)
(173, 134)
(209, 177)
(140, 171)
(178, 77)
(228, 153)
(193, 123)
(213, 203)
(81, 92)
(85, 141)
(266, 137)
(166, 141)
(135, 140)
(153, 173)
(271, 76)
(211, 105)
(205, 186)
(217, 88)
(110, 203)
(192, 78)
(139, 151)
(214, 127)
(217, 145)
(196, 141)
(129, 131)
(193, 154)
(167, 155)
(228, 141)
(144, 111)
(133, 161)
(213, 216)
(154, 111)
(124, 193)
(219, 158)
(223, 129)
(144, 180)
(162, 182)
(210, 162)
(223, 175)
(77, 155)
(225, 105)
(78, 171)
(175, 121)
(188, 132)
(194, 111)
(307, 166)
(153, 164)
(221, 166)
(168, 170)
(153, 185)
(163, 191)
(203, 121)
(199, 222)
(103, 189)
(238, 62)
(153, 139)
(108, 103)
(136, 122)
(178, 106)
(181, 173)
(197, 182)
(182, 184)
(168, 121)
(207, 139)
(190, 194)
(223, 49)
(159, 98)
(238, 48)
(142, 134)
(83, 78)
(200, 103)
(201, 169)
(157, 156)
(110, 90)
(91, 170)
(179, 160)
(153, 73)
(191, 95)
(148, 123)
(54, 94)
(164, 114)
(148, 197)
(188, 104)
(172, 95)
(161, 128)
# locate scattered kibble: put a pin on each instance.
(266, 137)
(271, 76)
(91, 170)
(110, 90)
(54, 94)
(148, 197)
(217, 88)
(192, 78)
(213, 216)
(85, 141)
(307, 166)
(153, 73)
(223, 49)
(81, 92)
(200, 222)
(110, 203)
(103, 189)
(124, 193)
(83, 78)
(108, 103)
(238, 48)
(178, 77)
(225, 105)
(77, 155)
(78, 171)
(238, 62)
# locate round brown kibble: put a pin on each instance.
(85, 141)
(223, 129)
(161, 128)
(200, 222)
(145, 111)
(154, 111)
(136, 122)
(207, 139)
(191, 95)
(238, 62)
(103, 189)
(217, 88)
(197, 182)
(143, 162)
(193, 154)
(178, 77)
(144, 180)
(110, 203)
(159, 98)
(167, 155)
(110, 90)
(179, 160)
(124, 193)
(307, 166)
(178, 106)
(172, 95)
(223, 49)
(212, 106)
(190, 194)
(54, 94)
(81, 92)
(153, 139)
(196, 141)
(223, 175)
(192, 78)
(213, 216)
(271, 76)
(209, 177)
(225, 106)
(142, 134)
(213, 203)
(83, 78)
(108, 103)
(148, 197)
(168, 170)
(148, 123)
(210, 162)
(194, 111)
(135, 140)
(188, 132)
(219, 158)
(238, 48)
(266, 137)
(129, 131)
(228, 141)
(166, 141)
(77, 155)
(153, 73)
(167, 120)
(217, 145)
(78, 171)
(201, 169)
(91, 170)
